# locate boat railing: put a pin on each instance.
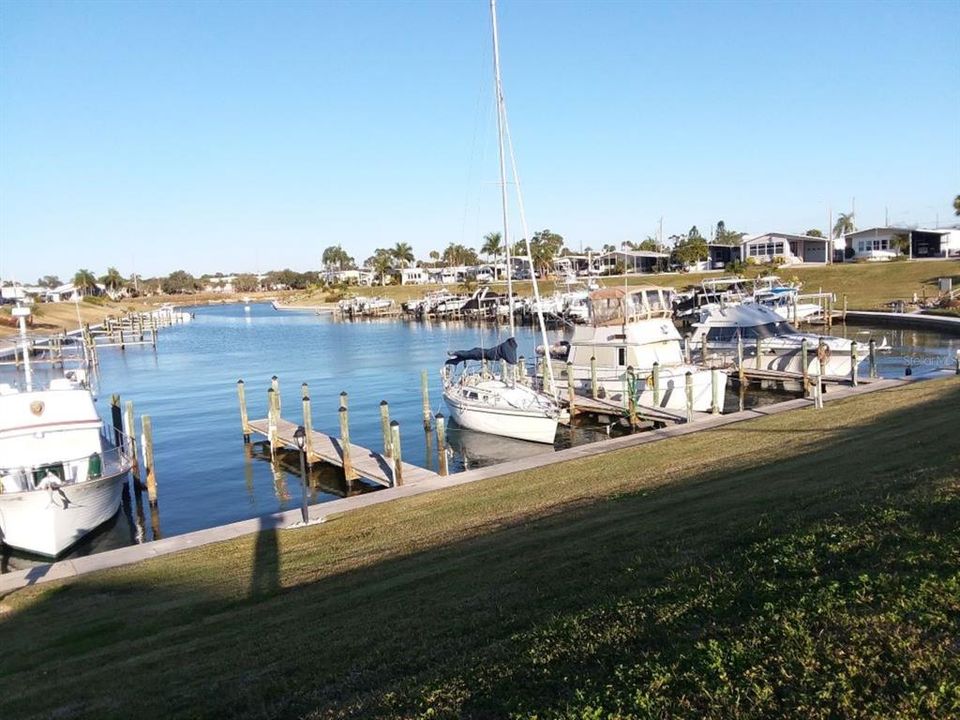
(50, 475)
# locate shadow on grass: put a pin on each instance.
(822, 586)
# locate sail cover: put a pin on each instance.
(507, 351)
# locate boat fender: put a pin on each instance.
(94, 466)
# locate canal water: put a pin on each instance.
(207, 477)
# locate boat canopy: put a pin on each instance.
(617, 305)
(506, 351)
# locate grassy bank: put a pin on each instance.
(803, 565)
(868, 286)
(57, 317)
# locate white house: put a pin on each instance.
(633, 261)
(882, 243)
(792, 248)
(349, 277)
(414, 276)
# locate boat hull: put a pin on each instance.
(672, 386)
(533, 427)
(49, 522)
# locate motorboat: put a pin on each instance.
(477, 398)
(61, 476)
(784, 299)
(633, 328)
(724, 331)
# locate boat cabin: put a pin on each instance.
(619, 306)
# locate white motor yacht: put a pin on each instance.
(60, 476)
(722, 328)
(633, 327)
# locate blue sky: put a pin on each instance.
(245, 136)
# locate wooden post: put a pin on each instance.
(805, 366)
(873, 358)
(343, 399)
(425, 392)
(307, 426)
(740, 369)
(714, 391)
(759, 360)
(272, 416)
(844, 307)
(521, 368)
(304, 391)
(656, 384)
(688, 386)
(853, 363)
(631, 391)
(442, 444)
(793, 302)
(275, 385)
(116, 417)
(571, 392)
(120, 330)
(148, 459)
(688, 351)
(594, 390)
(385, 428)
(397, 453)
(829, 312)
(345, 444)
(244, 421)
(130, 428)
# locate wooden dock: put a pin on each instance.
(367, 463)
(787, 375)
(599, 406)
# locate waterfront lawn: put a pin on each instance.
(803, 565)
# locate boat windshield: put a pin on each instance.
(767, 330)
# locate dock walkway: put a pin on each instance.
(366, 463)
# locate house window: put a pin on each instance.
(622, 356)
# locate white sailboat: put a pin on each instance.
(479, 399)
(60, 477)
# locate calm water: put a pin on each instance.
(207, 477)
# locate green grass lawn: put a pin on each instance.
(804, 565)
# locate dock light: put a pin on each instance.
(300, 437)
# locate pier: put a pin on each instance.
(366, 463)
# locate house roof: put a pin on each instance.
(895, 230)
(788, 236)
(636, 253)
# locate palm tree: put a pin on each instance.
(113, 280)
(492, 245)
(844, 225)
(84, 280)
(402, 253)
(381, 265)
(956, 205)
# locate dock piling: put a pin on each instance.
(116, 417)
(275, 384)
(873, 358)
(244, 420)
(853, 363)
(759, 354)
(804, 349)
(147, 440)
(397, 453)
(632, 396)
(571, 392)
(348, 472)
(714, 391)
(688, 351)
(656, 384)
(308, 426)
(130, 429)
(844, 307)
(273, 416)
(688, 386)
(594, 390)
(304, 391)
(740, 368)
(442, 444)
(425, 392)
(385, 428)
(343, 399)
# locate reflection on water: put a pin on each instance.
(206, 476)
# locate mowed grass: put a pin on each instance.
(868, 286)
(804, 565)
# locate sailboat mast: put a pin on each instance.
(498, 89)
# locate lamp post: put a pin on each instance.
(300, 436)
